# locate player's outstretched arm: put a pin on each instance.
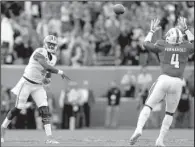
(190, 37)
(154, 26)
(41, 59)
(183, 26)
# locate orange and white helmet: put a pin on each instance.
(174, 36)
(51, 44)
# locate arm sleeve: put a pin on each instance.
(190, 47)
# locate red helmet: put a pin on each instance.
(51, 44)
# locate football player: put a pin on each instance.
(31, 83)
(173, 53)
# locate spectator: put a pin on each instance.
(66, 43)
(71, 101)
(129, 83)
(65, 106)
(107, 9)
(112, 110)
(65, 17)
(77, 56)
(26, 119)
(4, 51)
(112, 29)
(7, 32)
(42, 28)
(190, 86)
(74, 97)
(23, 51)
(9, 58)
(5, 101)
(144, 81)
(54, 26)
(117, 54)
(131, 56)
(99, 27)
(89, 100)
(108, 29)
(137, 33)
(182, 117)
(88, 45)
(190, 83)
(31, 121)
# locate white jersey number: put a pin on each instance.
(175, 60)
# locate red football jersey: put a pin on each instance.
(173, 58)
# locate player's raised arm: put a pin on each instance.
(41, 59)
(154, 26)
(183, 26)
(190, 37)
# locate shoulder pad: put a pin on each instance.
(160, 42)
(41, 51)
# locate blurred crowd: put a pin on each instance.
(89, 33)
(74, 104)
(73, 108)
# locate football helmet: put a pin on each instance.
(174, 36)
(51, 44)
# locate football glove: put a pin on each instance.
(154, 26)
(46, 81)
(182, 24)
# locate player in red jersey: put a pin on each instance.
(173, 53)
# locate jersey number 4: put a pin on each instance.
(175, 60)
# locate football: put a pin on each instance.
(119, 9)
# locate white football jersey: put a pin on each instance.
(35, 71)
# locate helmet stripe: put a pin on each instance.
(177, 32)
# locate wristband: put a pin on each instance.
(185, 30)
(152, 31)
(60, 72)
(148, 37)
(190, 36)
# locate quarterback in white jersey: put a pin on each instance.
(36, 74)
(36, 71)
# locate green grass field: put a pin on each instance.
(94, 137)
